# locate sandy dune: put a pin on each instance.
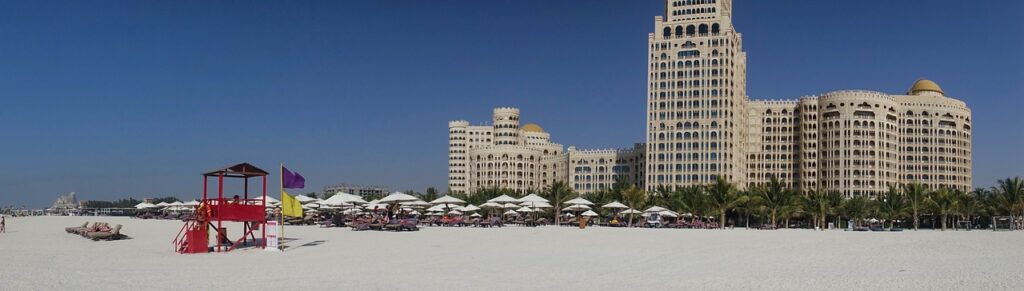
(36, 254)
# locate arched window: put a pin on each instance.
(714, 28)
(703, 29)
(690, 30)
(668, 31)
(679, 30)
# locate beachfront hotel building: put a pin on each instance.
(701, 125)
(504, 154)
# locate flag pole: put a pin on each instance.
(280, 212)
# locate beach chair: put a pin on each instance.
(96, 226)
(394, 225)
(112, 234)
(361, 225)
(409, 224)
(73, 229)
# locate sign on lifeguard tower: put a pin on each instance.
(273, 231)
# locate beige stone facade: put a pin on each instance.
(505, 155)
(702, 125)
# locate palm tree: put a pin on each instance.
(558, 192)
(818, 205)
(636, 198)
(692, 200)
(968, 206)
(892, 206)
(774, 197)
(835, 204)
(943, 202)
(916, 200)
(721, 196)
(1009, 196)
(857, 208)
(745, 204)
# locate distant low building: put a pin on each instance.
(360, 190)
(66, 202)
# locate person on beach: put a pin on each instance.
(3, 224)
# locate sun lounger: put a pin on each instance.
(73, 229)
(409, 224)
(113, 234)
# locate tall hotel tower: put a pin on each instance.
(696, 94)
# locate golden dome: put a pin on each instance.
(532, 127)
(925, 85)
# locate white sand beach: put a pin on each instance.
(37, 254)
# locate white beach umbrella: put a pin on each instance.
(374, 201)
(502, 199)
(569, 214)
(272, 200)
(578, 201)
(162, 204)
(376, 206)
(668, 213)
(416, 204)
(475, 215)
(436, 208)
(176, 203)
(192, 203)
(511, 212)
(311, 206)
(532, 198)
(589, 213)
(490, 205)
(536, 204)
(343, 199)
(615, 204)
(577, 207)
(524, 209)
(398, 197)
(510, 206)
(304, 199)
(454, 212)
(470, 208)
(446, 199)
(630, 211)
(655, 209)
(414, 212)
(144, 205)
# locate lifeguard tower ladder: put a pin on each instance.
(194, 236)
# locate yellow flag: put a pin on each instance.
(290, 206)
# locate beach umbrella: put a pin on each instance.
(475, 215)
(655, 209)
(536, 204)
(304, 199)
(578, 207)
(510, 206)
(502, 199)
(144, 205)
(272, 200)
(614, 205)
(490, 205)
(343, 199)
(414, 212)
(589, 213)
(398, 197)
(192, 203)
(578, 201)
(532, 198)
(524, 209)
(176, 203)
(511, 212)
(668, 213)
(470, 208)
(162, 204)
(455, 212)
(569, 214)
(447, 200)
(311, 206)
(630, 211)
(436, 208)
(416, 204)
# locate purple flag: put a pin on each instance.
(292, 180)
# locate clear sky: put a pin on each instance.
(114, 99)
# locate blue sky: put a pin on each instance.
(114, 99)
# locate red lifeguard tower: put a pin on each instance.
(194, 236)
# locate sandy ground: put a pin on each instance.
(36, 254)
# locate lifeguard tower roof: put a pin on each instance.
(243, 170)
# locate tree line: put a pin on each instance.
(773, 204)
